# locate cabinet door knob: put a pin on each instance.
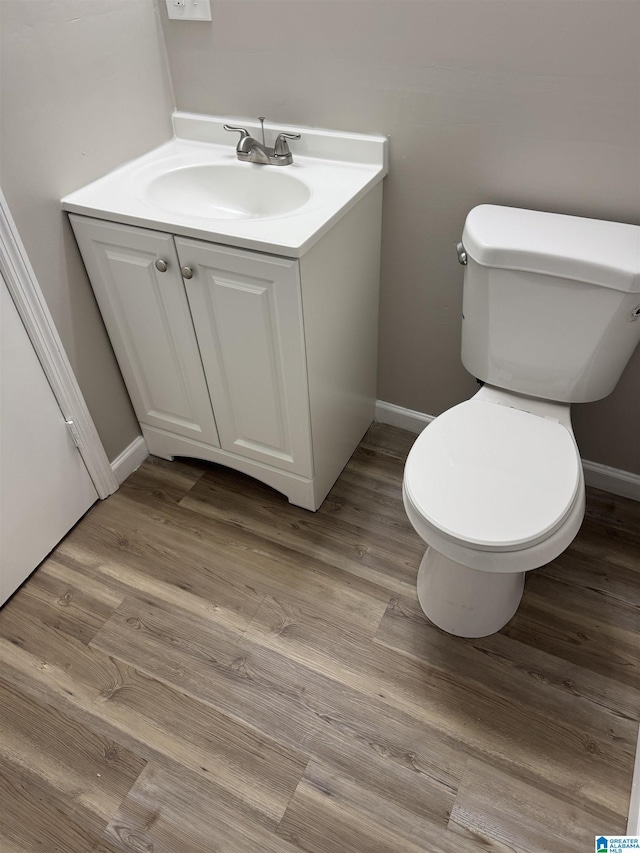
(187, 272)
(161, 265)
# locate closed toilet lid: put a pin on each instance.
(493, 477)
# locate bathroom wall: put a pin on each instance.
(85, 87)
(516, 102)
(532, 104)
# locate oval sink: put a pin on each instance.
(242, 191)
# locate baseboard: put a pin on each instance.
(388, 413)
(633, 822)
(612, 480)
(131, 458)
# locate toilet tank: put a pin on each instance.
(551, 304)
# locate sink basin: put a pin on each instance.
(195, 186)
(242, 191)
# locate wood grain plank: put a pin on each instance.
(256, 769)
(138, 711)
(586, 627)
(379, 475)
(612, 512)
(205, 561)
(330, 812)
(78, 606)
(208, 665)
(391, 440)
(596, 607)
(90, 774)
(30, 624)
(31, 819)
(121, 543)
(177, 812)
(370, 503)
(364, 553)
(298, 707)
(495, 725)
(528, 675)
(159, 481)
(494, 809)
(160, 724)
(599, 575)
(609, 532)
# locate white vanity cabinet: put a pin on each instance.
(263, 363)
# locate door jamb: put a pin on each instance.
(26, 293)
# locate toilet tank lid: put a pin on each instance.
(589, 250)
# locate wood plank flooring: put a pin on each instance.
(200, 667)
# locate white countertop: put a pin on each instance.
(337, 169)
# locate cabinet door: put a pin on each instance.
(148, 320)
(247, 311)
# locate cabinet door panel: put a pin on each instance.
(149, 323)
(247, 312)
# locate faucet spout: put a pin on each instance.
(252, 151)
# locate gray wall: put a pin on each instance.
(85, 87)
(517, 102)
(508, 101)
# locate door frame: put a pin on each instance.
(25, 290)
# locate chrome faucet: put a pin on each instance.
(249, 150)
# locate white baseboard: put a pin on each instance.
(614, 480)
(388, 413)
(131, 458)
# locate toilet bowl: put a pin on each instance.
(495, 488)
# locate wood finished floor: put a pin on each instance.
(200, 667)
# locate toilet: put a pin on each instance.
(494, 486)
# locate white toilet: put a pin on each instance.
(494, 486)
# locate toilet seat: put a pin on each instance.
(493, 477)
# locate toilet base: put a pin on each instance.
(467, 602)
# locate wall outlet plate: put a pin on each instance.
(189, 10)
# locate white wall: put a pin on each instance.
(84, 87)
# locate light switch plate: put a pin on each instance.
(189, 10)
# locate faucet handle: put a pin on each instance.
(243, 133)
(281, 148)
